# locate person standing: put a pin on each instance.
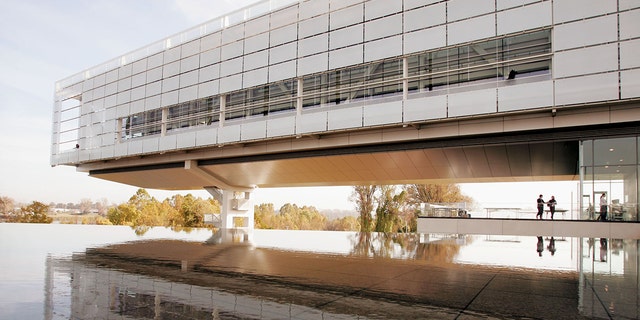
(540, 207)
(603, 207)
(552, 206)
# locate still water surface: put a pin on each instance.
(114, 272)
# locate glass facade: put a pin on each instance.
(489, 60)
(609, 179)
(527, 53)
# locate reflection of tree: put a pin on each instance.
(141, 230)
(443, 251)
(362, 244)
(386, 245)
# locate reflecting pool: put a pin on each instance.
(113, 272)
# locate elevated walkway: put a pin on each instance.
(530, 227)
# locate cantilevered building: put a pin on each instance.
(344, 92)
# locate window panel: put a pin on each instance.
(235, 105)
(527, 54)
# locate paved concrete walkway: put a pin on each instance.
(357, 287)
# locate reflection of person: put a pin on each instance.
(552, 244)
(540, 246)
(540, 207)
(603, 207)
(552, 206)
(591, 211)
(591, 242)
(603, 249)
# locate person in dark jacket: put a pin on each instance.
(540, 207)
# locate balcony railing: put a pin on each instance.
(219, 23)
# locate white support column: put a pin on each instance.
(234, 206)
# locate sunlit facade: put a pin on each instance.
(290, 69)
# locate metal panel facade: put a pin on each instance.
(592, 58)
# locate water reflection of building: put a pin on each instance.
(101, 284)
(104, 293)
(608, 269)
(609, 283)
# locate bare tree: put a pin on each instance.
(85, 205)
(102, 206)
(7, 205)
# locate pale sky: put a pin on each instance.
(43, 41)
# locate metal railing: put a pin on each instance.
(233, 18)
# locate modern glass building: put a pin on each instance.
(489, 84)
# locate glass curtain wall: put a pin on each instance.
(524, 54)
(609, 179)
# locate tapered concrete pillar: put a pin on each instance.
(236, 208)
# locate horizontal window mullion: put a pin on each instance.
(68, 130)
(70, 119)
(353, 87)
(191, 116)
(541, 57)
(258, 105)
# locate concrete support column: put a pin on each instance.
(236, 208)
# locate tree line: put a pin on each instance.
(380, 208)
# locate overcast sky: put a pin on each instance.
(43, 41)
